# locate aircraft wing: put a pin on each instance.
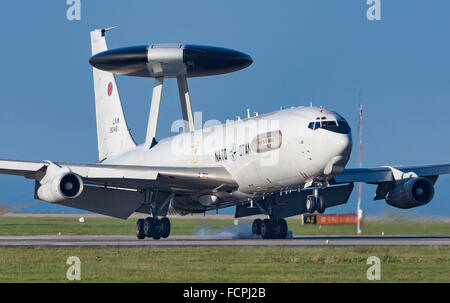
(172, 179)
(390, 173)
(20, 168)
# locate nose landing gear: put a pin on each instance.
(315, 202)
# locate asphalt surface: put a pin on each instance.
(197, 241)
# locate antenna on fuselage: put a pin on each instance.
(160, 61)
(248, 112)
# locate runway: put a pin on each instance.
(211, 241)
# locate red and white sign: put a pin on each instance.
(351, 219)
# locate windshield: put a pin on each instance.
(341, 127)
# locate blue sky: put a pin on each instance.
(325, 52)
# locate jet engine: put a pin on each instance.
(59, 185)
(207, 200)
(411, 193)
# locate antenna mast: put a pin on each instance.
(359, 210)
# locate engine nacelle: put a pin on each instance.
(412, 193)
(207, 200)
(59, 186)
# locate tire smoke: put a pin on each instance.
(241, 231)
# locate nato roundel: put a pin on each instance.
(110, 88)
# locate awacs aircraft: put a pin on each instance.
(280, 164)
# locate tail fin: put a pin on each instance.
(113, 134)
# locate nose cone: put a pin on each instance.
(130, 61)
(343, 143)
(340, 148)
(209, 60)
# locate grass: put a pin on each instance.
(226, 264)
(221, 264)
(16, 226)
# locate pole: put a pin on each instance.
(359, 210)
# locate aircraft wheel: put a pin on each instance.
(156, 234)
(321, 205)
(149, 227)
(310, 204)
(165, 227)
(266, 229)
(256, 227)
(140, 234)
(283, 229)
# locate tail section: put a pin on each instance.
(113, 134)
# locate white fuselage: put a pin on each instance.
(263, 154)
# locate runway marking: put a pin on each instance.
(194, 241)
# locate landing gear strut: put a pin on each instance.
(153, 228)
(270, 228)
(315, 202)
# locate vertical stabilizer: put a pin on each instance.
(112, 131)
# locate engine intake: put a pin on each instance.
(59, 187)
(412, 193)
(70, 185)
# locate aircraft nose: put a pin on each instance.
(341, 145)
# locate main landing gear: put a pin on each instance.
(153, 228)
(315, 202)
(270, 228)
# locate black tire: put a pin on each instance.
(321, 205)
(149, 227)
(283, 229)
(156, 229)
(256, 227)
(165, 227)
(310, 204)
(266, 229)
(140, 229)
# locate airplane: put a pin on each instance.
(280, 164)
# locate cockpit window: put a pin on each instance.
(326, 124)
(341, 127)
(312, 125)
